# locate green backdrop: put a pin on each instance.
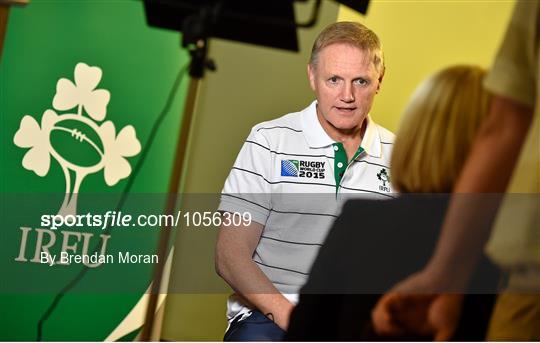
(44, 42)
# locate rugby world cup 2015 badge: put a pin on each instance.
(289, 168)
(303, 169)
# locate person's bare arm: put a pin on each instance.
(488, 170)
(234, 263)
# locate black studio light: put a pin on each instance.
(269, 23)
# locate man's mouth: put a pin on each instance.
(346, 109)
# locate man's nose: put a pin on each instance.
(347, 94)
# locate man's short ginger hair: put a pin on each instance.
(354, 34)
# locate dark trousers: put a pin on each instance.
(256, 327)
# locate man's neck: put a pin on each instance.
(350, 138)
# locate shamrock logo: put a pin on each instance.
(383, 176)
(107, 148)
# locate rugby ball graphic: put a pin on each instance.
(76, 143)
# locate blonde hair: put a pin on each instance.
(437, 130)
(352, 33)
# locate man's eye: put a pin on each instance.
(361, 82)
(333, 79)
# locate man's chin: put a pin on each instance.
(345, 126)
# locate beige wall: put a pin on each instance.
(254, 84)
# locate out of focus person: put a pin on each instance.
(505, 157)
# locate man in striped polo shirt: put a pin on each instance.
(293, 173)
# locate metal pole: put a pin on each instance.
(174, 184)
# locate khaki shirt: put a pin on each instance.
(515, 240)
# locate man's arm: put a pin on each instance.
(234, 263)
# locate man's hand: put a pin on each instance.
(410, 309)
(282, 316)
(234, 263)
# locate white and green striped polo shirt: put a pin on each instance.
(292, 177)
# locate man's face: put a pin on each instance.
(345, 82)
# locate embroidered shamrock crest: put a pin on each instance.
(109, 149)
(383, 176)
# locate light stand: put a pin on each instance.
(197, 29)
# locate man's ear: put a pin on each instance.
(311, 76)
(380, 81)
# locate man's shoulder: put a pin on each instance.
(288, 123)
(387, 136)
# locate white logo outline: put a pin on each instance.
(92, 102)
